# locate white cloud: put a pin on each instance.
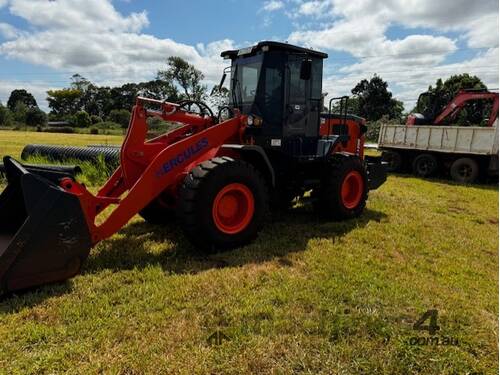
(272, 5)
(313, 8)
(483, 32)
(83, 15)
(91, 38)
(37, 88)
(8, 31)
(410, 64)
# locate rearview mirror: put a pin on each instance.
(305, 69)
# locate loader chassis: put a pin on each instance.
(219, 178)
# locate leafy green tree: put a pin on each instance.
(159, 89)
(443, 92)
(218, 98)
(36, 117)
(5, 115)
(375, 100)
(352, 106)
(82, 119)
(120, 116)
(123, 97)
(65, 102)
(19, 113)
(21, 96)
(185, 78)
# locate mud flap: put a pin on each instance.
(376, 170)
(44, 236)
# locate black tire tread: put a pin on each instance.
(327, 197)
(190, 194)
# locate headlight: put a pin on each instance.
(255, 121)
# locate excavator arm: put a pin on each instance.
(461, 100)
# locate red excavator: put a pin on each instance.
(435, 113)
(218, 176)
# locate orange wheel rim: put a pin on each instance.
(352, 189)
(233, 208)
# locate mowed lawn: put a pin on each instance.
(13, 142)
(308, 297)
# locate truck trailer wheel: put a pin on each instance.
(393, 159)
(464, 170)
(344, 191)
(425, 165)
(223, 204)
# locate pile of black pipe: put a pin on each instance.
(111, 154)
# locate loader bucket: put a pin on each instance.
(44, 236)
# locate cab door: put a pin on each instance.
(296, 110)
(302, 108)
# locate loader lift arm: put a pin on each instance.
(150, 167)
(47, 228)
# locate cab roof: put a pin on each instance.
(271, 46)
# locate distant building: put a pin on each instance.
(58, 123)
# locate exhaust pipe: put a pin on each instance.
(44, 236)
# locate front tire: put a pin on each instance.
(223, 204)
(344, 190)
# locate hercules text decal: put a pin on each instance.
(182, 157)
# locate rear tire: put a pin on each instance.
(464, 170)
(223, 204)
(393, 159)
(425, 165)
(343, 191)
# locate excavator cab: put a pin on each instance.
(280, 87)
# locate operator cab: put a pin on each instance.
(429, 106)
(279, 86)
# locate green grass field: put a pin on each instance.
(308, 297)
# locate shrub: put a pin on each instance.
(94, 131)
(107, 125)
(373, 131)
(95, 119)
(5, 116)
(156, 123)
(36, 117)
(120, 116)
(374, 127)
(82, 119)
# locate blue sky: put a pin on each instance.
(409, 43)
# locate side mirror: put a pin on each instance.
(305, 69)
(222, 81)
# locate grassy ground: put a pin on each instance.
(13, 142)
(308, 297)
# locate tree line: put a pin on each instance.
(84, 104)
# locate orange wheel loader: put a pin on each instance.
(218, 177)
